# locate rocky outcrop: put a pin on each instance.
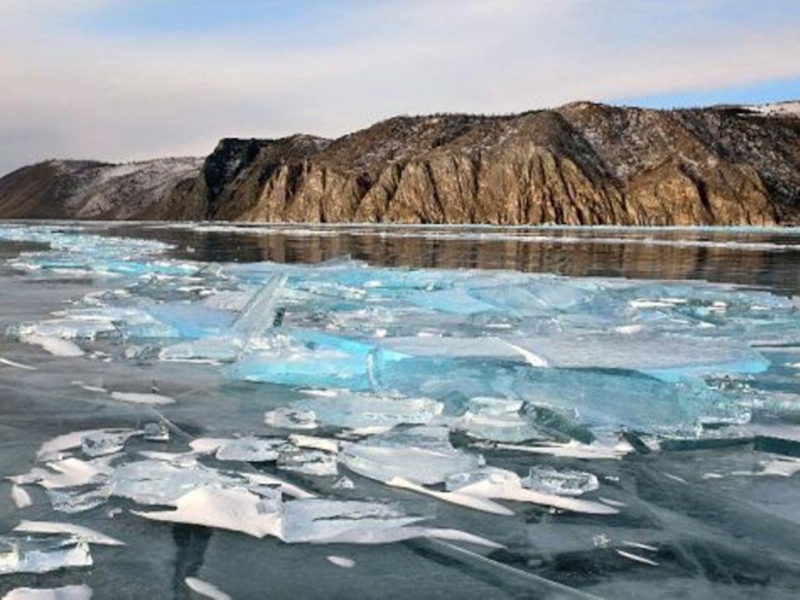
(582, 164)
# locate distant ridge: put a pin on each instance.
(581, 164)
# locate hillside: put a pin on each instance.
(583, 163)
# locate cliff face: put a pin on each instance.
(581, 164)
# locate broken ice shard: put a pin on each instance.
(156, 482)
(77, 500)
(42, 554)
(249, 449)
(307, 462)
(82, 533)
(233, 508)
(421, 455)
(157, 431)
(105, 441)
(336, 521)
(260, 312)
(497, 419)
(306, 358)
(563, 482)
(501, 484)
(667, 357)
(342, 408)
(291, 418)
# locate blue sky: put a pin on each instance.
(130, 79)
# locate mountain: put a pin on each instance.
(72, 189)
(583, 163)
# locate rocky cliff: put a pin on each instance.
(583, 163)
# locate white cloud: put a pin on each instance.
(68, 92)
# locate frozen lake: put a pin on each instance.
(208, 410)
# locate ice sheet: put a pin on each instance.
(486, 390)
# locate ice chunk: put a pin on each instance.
(561, 482)
(342, 408)
(344, 483)
(234, 509)
(555, 424)
(70, 472)
(336, 521)
(667, 357)
(184, 320)
(73, 325)
(307, 462)
(52, 449)
(20, 497)
(467, 501)
(291, 418)
(156, 482)
(259, 313)
(341, 561)
(69, 592)
(493, 483)
(422, 455)
(206, 589)
(105, 441)
(288, 489)
(308, 358)
(54, 345)
(497, 419)
(314, 443)
(556, 396)
(139, 398)
(199, 446)
(78, 500)
(157, 431)
(42, 555)
(249, 449)
(572, 450)
(77, 531)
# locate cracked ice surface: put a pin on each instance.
(341, 403)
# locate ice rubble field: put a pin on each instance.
(423, 381)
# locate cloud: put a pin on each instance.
(72, 87)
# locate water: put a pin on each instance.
(478, 412)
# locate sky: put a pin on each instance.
(123, 80)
